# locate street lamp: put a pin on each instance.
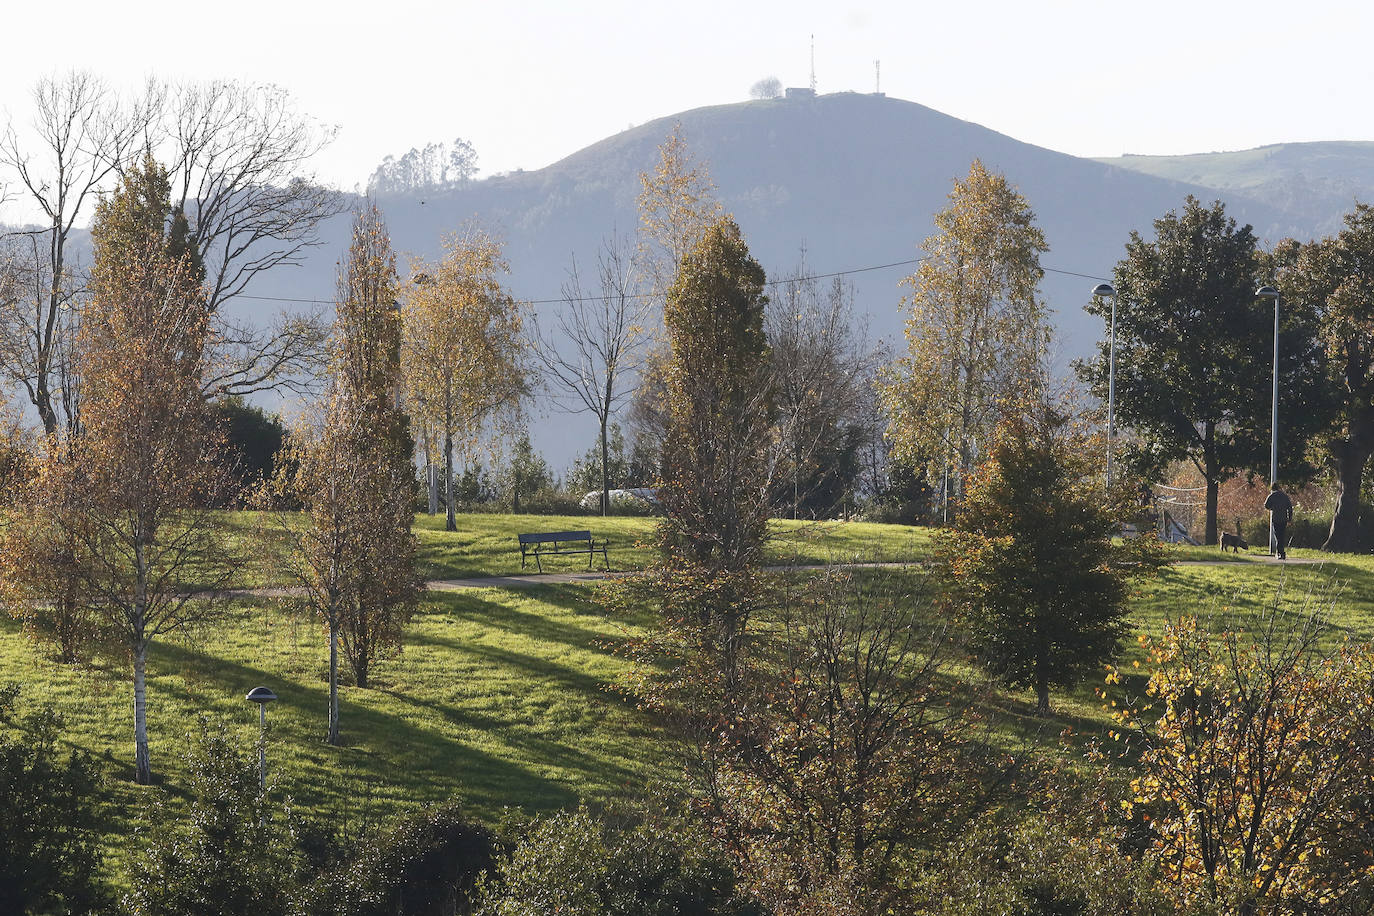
(1269, 292)
(1108, 291)
(262, 696)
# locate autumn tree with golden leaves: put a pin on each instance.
(1255, 773)
(977, 332)
(122, 500)
(461, 349)
(354, 553)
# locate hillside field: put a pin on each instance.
(504, 698)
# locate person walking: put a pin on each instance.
(1280, 514)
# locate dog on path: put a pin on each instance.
(1234, 541)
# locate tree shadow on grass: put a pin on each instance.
(380, 747)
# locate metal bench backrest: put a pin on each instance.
(555, 536)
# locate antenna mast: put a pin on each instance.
(813, 63)
(877, 77)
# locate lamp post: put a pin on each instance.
(1108, 291)
(262, 696)
(1269, 292)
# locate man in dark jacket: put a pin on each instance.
(1280, 514)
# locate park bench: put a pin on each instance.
(560, 542)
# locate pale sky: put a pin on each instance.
(530, 82)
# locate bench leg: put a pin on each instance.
(605, 559)
(537, 562)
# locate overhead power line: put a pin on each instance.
(785, 280)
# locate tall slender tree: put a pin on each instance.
(462, 351)
(128, 491)
(716, 467)
(355, 555)
(977, 333)
(599, 345)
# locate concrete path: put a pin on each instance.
(524, 580)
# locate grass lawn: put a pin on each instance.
(500, 698)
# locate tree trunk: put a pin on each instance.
(1042, 690)
(450, 519)
(1210, 535)
(333, 737)
(605, 479)
(432, 473)
(1352, 455)
(143, 770)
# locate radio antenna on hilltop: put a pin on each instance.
(813, 63)
(877, 78)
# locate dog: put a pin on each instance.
(1234, 541)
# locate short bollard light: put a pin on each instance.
(262, 696)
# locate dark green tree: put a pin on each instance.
(1032, 571)
(526, 472)
(49, 825)
(1333, 279)
(1193, 350)
(253, 440)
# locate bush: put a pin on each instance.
(425, 864)
(49, 843)
(233, 855)
(572, 864)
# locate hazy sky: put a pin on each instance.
(529, 82)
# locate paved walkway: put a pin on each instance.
(529, 580)
(1240, 559)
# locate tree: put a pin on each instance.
(462, 353)
(831, 754)
(253, 441)
(1255, 764)
(436, 167)
(81, 136)
(718, 399)
(50, 834)
(677, 204)
(819, 370)
(128, 491)
(525, 471)
(1192, 348)
(977, 334)
(599, 345)
(770, 87)
(237, 155)
(1034, 576)
(1332, 279)
(354, 556)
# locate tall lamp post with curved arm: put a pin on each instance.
(1269, 292)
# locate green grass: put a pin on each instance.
(485, 544)
(502, 698)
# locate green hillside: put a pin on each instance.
(503, 698)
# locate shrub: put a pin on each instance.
(424, 864)
(571, 863)
(232, 855)
(49, 844)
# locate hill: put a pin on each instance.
(852, 179)
(1314, 182)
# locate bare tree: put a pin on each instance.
(80, 136)
(595, 346)
(819, 365)
(770, 87)
(238, 154)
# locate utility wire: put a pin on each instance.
(786, 280)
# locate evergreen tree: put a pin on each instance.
(1033, 573)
